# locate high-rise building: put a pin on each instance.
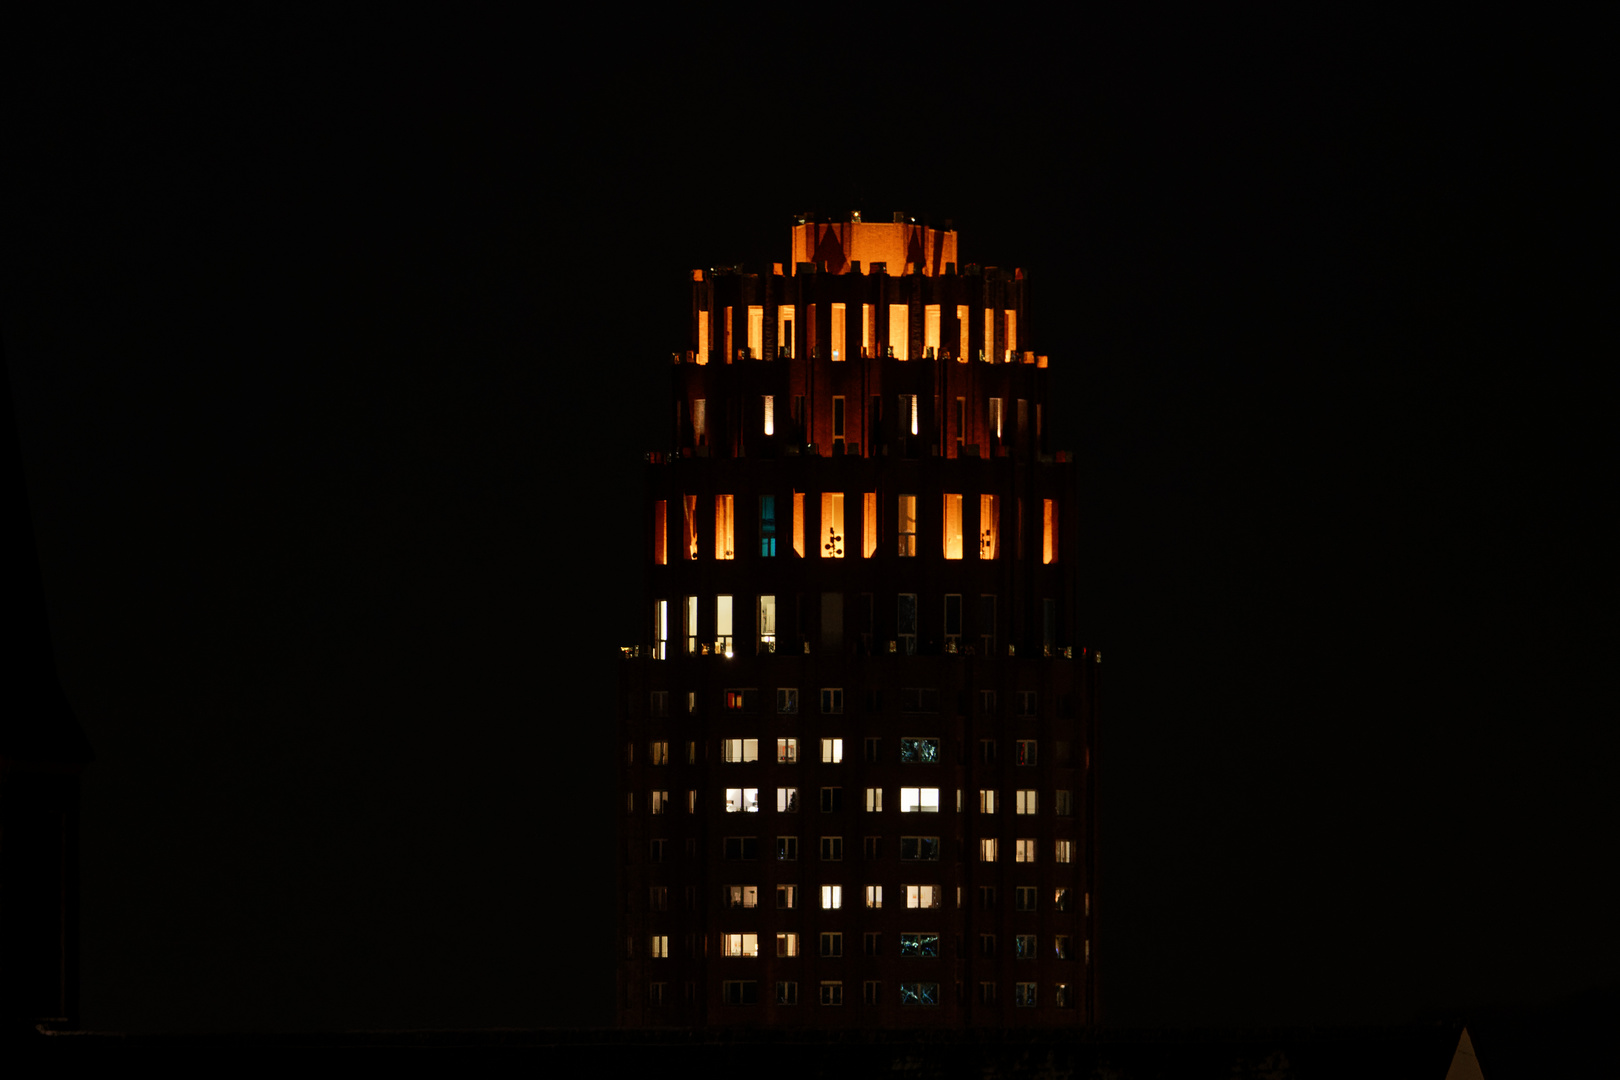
(857, 735)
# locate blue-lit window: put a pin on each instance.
(767, 525)
(919, 993)
(919, 751)
(919, 945)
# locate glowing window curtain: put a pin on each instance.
(770, 414)
(767, 525)
(995, 417)
(700, 421)
(906, 526)
(689, 550)
(962, 327)
(868, 524)
(1049, 531)
(832, 524)
(798, 523)
(908, 412)
(767, 623)
(724, 527)
(898, 331)
(722, 625)
(1012, 330)
(866, 329)
(756, 331)
(703, 337)
(660, 629)
(660, 532)
(990, 334)
(840, 347)
(931, 328)
(989, 527)
(725, 332)
(690, 619)
(953, 526)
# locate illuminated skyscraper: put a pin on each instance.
(856, 732)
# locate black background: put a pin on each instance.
(335, 345)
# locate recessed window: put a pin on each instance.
(1049, 526)
(953, 622)
(740, 848)
(1064, 851)
(787, 944)
(832, 523)
(1024, 995)
(739, 945)
(832, 993)
(987, 945)
(658, 947)
(689, 544)
(987, 993)
(658, 898)
(1024, 947)
(987, 849)
(769, 405)
(787, 993)
(987, 801)
(742, 800)
(1060, 899)
(987, 897)
(722, 625)
(787, 700)
(1060, 947)
(1063, 803)
(919, 848)
(919, 945)
(658, 753)
(739, 992)
(987, 751)
(1026, 801)
(832, 751)
(832, 700)
(767, 625)
(661, 532)
(874, 896)
(1025, 898)
(1026, 751)
(989, 527)
(832, 848)
(923, 896)
(787, 897)
(798, 523)
(906, 526)
(871, 846)
(832, 800)
(919, 751)
(874, 799)
(742, 896)
(919, 800)
(869, 525)
(906, 623)
(899, 332)
(740, 750)
(832, 897)
(660, 802)
(873, 749)
(953, 526)
(787, 848)
(767, 518)
(724, 526)
(787, 751)
(871, 991)
(787, 800)
(1024, 851)
(832, 944)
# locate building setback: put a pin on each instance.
(857, 734)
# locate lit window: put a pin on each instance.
(832, 848)
(832, 944)
(1060, 947)
(770, 414)
(923, 896)
(987, 801)
(787, 993)
(787, 800)
(874, 799)
(689, 617)
(919, 848)
(832, 524)
(987, 849)
(953, 526)
(1024, 947)
(899, 332)
(722, 625)
(756, 331)
(915, 751)
(689, 546)
(660, 629)
(1049, 531)
(832, 700)
(1026, 801)
(931, 329)
(740, 750)
(691, 800)
(724, 526)
(868, 524)
(1026, 751)
(703, 337)
(962, 326)
(919, 800)
(989, 527)
(1024, 851)
(742, 896)
(867, 341)
(1064, 852)
(832, 800)
(798, 523)
(1064, 803)
(787, 944)
(832, 897)
(874, 896)
(784, 329)
(767, 624)
(787, 896)
(1062, 995)
(832, 993)
(839, 349)
(832, 751)
(908, 412)
(658, 947)
(660, 802)
(700, 420)
(658, 753)
(995, 417)
(742, 800)
(990, 334)
(919, 944)
(1024, 995)
(739, 992)
(906, 526)
(1060, 900)
(1011, 317)
(739, 945)
(767, 521)
(787, 751)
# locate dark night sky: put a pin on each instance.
(334, 348)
